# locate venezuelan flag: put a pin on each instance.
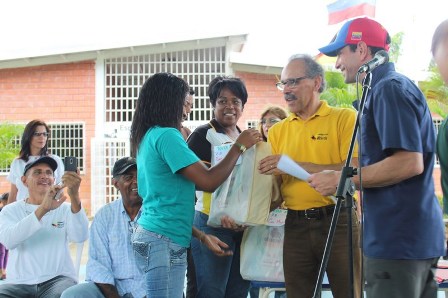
(341, 10)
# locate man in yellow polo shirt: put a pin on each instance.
(317, 137)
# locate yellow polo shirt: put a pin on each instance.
(324, 138)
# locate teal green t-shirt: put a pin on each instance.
(168, 197)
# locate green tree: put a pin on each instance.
(436, 92)
(9, 144)
(395, 46)
(338, 93)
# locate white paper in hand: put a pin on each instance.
(289, 166)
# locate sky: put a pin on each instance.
(276, 29)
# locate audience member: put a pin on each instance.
(37, 231)
(398, 145)
(167, 174)
(3, 250)
(111, 270)
(439, 50)
(270, 116)
(34, 144)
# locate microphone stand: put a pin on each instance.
(344, 193)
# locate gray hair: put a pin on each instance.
(313, 69)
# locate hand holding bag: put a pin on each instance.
(245, 195)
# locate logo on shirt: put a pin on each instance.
(320, 137)
(59, 224)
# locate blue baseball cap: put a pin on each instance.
(352, 32)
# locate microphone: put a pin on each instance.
(380, 57)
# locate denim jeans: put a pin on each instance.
(51, 288)
(162, 262)
(84, 290)
(218, 277)
(87, 290)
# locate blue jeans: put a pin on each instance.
(87, 290)
(218, 277)
(84, 290)
(162, 262)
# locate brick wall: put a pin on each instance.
(262, 93)
(60, 92)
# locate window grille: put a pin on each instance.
(124, 76)
(252, 124)
(105, 152)
(66, 139)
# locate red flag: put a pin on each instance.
(341, 10)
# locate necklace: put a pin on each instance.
(26, 207)
(33, 207)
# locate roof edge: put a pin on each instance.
(234, 41)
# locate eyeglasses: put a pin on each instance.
(290, 83)
(38, 134)
(224, 102)
(270, 120)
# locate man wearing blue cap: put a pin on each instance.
(37, 231)
(403, 228)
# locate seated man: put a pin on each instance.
(37, 231)
(111, 269)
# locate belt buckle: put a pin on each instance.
(312, 210)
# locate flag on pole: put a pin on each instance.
(340, 10)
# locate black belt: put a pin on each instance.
(313, 213)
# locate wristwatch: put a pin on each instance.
(241, 147)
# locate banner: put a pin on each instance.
(342, 10)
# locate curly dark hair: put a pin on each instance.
(236, 85)
(160, 103)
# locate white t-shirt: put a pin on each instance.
(16, 173)
(38, 250)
